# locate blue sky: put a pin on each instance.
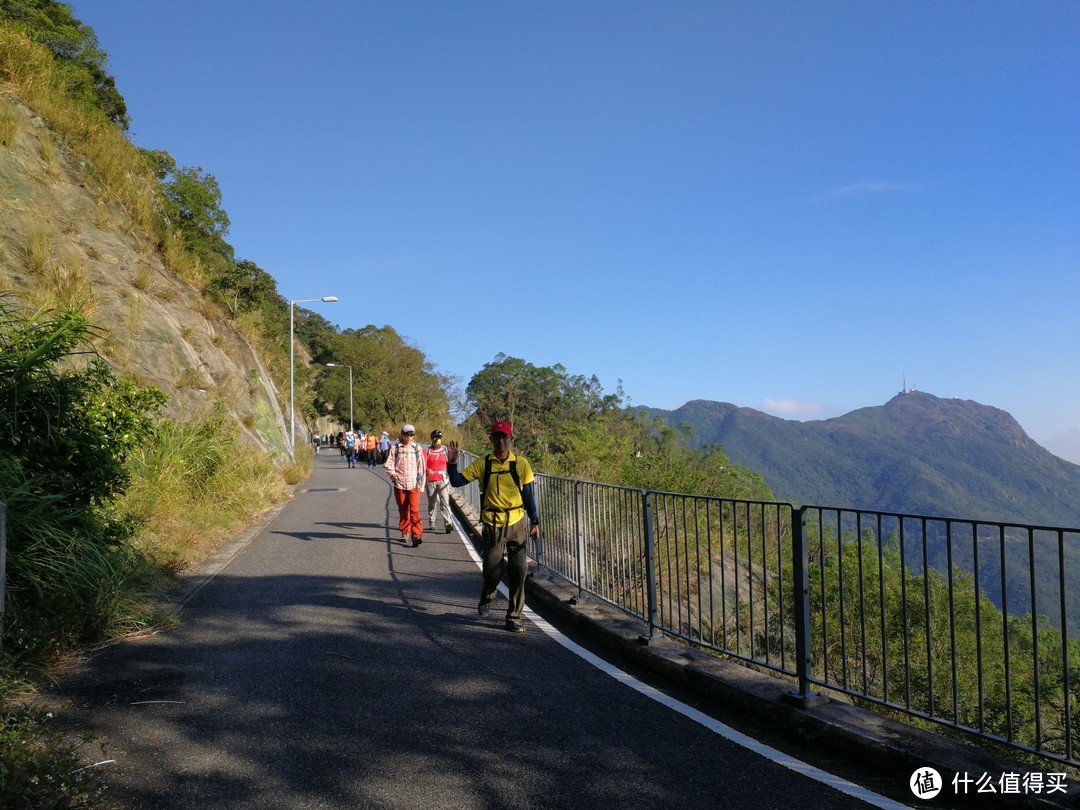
(790, 206)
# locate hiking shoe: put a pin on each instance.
(416, 541)
(449, 528)
(483, 610)
(514, 626)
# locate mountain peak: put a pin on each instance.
(916, 454)
(913, 410)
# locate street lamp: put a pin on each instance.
(338, 365)
(329, 299)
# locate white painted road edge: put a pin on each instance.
(715, 726)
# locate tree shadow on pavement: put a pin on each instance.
(332, 691)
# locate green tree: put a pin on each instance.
(393, 382)
(160, 162)
(193, 206)
(243, 287)
(546, 405)
(54, 25)
(67, 428)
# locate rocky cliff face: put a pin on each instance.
(62, 243)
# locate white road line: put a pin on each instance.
(713, 725)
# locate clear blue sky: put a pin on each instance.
(791, 206)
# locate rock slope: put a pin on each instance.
(62, 242)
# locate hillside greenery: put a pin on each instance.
(566, 425)
(79, 56)
(917, 454)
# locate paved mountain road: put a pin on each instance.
(327, 665)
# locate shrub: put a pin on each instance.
(65, 435)
(38, 768)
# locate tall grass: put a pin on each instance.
(37, 253)
(30, 72)
(68, 579)
(9, 128)
(196, 484)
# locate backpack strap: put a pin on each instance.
(484, 482)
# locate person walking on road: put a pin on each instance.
(438, 485)
(350, 449)
(506, 498)
(405, 466)
(371, 443)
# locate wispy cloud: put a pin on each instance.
(793, 409)
(868, 187)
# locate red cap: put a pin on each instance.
(502, 427)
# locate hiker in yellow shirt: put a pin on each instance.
(506, 481)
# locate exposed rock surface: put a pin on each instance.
(63, 242)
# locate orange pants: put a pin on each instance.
(408, 504)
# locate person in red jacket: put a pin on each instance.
(438, 484)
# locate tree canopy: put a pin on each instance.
(393, 381)
(76, 46)
(566, 425)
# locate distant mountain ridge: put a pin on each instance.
(917, 454)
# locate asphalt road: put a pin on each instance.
(328, 665)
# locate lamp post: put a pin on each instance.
(333, 365)
(329, 299)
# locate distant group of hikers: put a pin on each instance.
(362, 446)
(506, 497)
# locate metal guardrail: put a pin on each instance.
(889, 609)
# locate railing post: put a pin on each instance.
(653, 608)
(801, 587)
(579, 535)
(538, 489)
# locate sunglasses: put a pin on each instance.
(409, 433)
